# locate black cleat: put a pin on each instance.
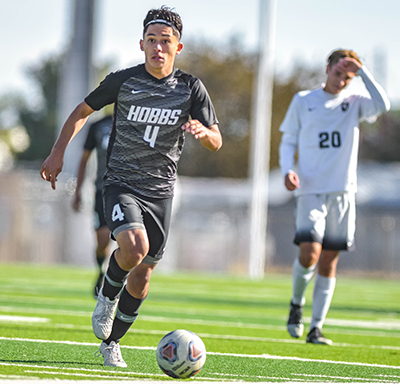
(315, 336)
(295, 322)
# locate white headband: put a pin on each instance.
(162, 21)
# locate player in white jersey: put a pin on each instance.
(322, 126)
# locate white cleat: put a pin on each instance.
(111, 354)
(103, 316)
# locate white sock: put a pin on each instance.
(322, 297)
(301, 278)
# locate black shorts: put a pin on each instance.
(99, 219)
(127, 210)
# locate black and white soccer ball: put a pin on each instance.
(181, 354)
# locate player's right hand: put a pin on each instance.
(51, 168)
(292, 181)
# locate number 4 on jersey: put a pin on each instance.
(117, 213)
(150, 135)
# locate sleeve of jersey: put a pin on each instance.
(106, 93)
(377, 103)
(290, 128)
(90, 142)
(202, 107)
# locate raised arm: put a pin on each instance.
(378, 94)
(53, 165)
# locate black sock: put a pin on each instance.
(114, 279)
(128, 309)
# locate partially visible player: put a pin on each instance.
(323, 126)
(97, 139)
(155, 104)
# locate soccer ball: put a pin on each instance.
(181, 354)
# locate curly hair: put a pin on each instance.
(167, 14)
(335, 56)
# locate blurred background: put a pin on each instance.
(55, 51)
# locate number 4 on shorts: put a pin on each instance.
(117, 213)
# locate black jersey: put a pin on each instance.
(146, 140)
(97, 138)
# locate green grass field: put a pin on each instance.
(45, 319)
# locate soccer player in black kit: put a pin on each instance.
(155, 105)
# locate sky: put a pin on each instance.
(306, 31)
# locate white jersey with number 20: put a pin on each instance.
(324, 128)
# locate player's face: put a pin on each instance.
(338, 79)
(160, 47)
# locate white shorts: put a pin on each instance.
(328, 219)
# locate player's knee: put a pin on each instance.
(309, 254)
(327, 270)
(135, 254)
(134, 246)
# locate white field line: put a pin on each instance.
(23, 319)
(291, 379)
(382, 325)
(240, 377)
(15, 377)
(45, 311)
(272, 327)
(264, 339)
(244, 295)
(379, 324)
(106, 376)
(393, 325)
(102, 373)
(160, 319)
(227, 337)
(120, 375)
(81, 374)
(342, 378)
(263, 356)
(272, 357)
(230, 337)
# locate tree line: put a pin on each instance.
(229, 76)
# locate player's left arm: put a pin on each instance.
(380, 101)
(378, 95)
(210, 137)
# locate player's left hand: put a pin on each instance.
(197, 129)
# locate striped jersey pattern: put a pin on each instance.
(146, 140)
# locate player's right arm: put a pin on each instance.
(292, 181)
(288, 146)
(53, 165)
